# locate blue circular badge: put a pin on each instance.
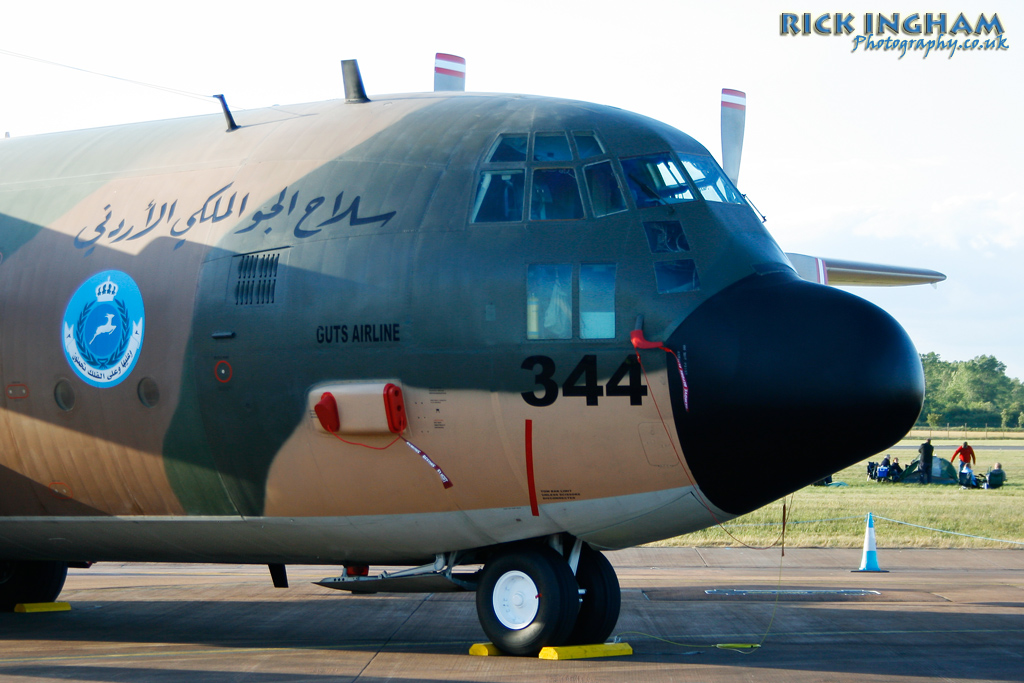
(103, 328)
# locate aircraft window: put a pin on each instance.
(549, 301)
(499, 197)
(588, 145)
(597, 301)
(676, 276)
(509, 148)
(710, 180)
(605, 193)
(665, 237)
(555, 195)
(551, 147)
(656, 179)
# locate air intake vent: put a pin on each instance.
(256, 278)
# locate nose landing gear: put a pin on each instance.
(528, 599)
(600, 599)
(30, 582)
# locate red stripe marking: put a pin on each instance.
(732, 105)
(448, 72)
(449, 58)
(737, 93)
(529, 469)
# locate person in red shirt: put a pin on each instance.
(966, 454)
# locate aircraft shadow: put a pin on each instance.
(173, 675)
(349, 623)
(152, 675)
(866, 639)
(941, 641)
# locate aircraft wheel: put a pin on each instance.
(30, 582)
(599, 609)
(527, 599)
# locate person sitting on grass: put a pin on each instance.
(895, 468)
(967, 478)
(882, 473)
(996, 477)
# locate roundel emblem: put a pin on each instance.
(103, 328)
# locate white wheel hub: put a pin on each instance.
(516, 600)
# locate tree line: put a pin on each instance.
(975, 392)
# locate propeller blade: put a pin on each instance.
(449, 73)
(734, 115)
(839, 272)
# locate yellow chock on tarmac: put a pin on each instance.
(737, 646)
(567, 652)
(586, 651)
(31, 607)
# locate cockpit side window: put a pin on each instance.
(665, 237)
(597, 301)
(605, 193)
(674, 277)
(551, 147)
(655, 180)
(555, 195)
(710, 180)
(549, 301)
(499, 197)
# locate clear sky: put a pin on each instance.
(854, 155)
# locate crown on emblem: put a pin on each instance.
(106, 291)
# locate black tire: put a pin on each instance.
(518, 630)
(599, 609)
(30, 582)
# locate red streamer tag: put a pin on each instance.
(639, 342)
(682, 376)
(445, 481)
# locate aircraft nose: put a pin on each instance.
(789, 382)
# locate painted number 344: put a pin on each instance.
(582, 381)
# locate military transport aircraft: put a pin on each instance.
(436, 330)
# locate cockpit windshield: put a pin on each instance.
(544, 172)
(656, 179)
(711, 182)
(572, 176)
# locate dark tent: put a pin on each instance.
(943, 472)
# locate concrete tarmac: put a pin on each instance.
(952, 615)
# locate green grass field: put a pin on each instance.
(996, 513)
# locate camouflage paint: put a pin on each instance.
(360, 215)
